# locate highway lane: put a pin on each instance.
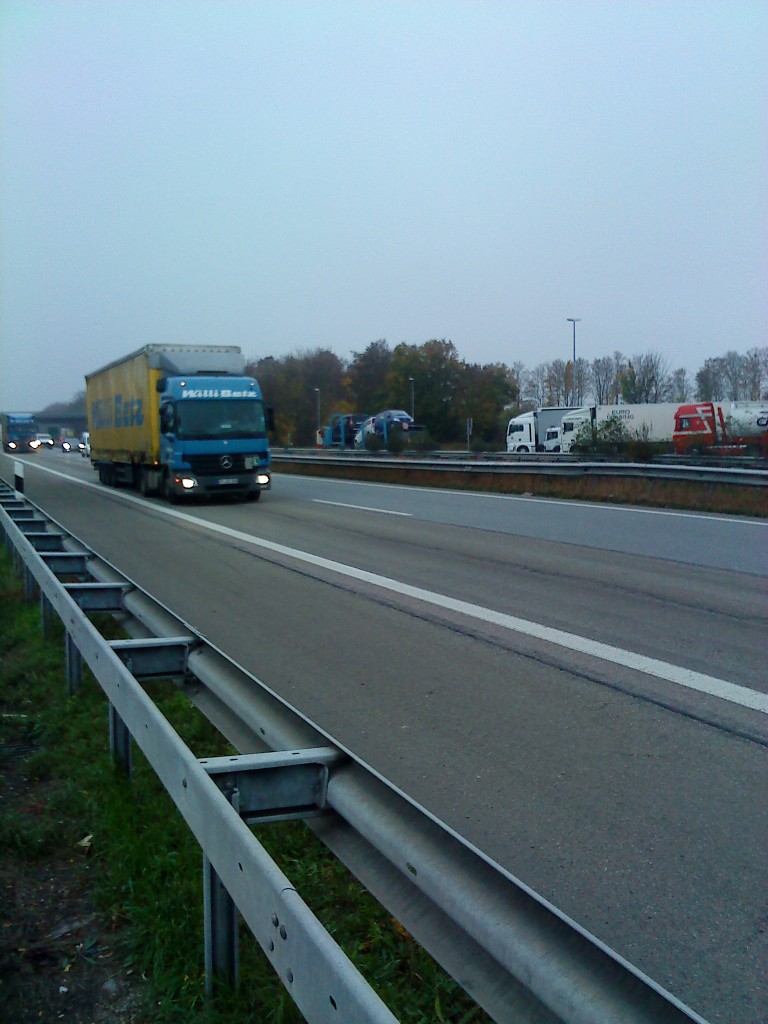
(720, 542)
(638, 810)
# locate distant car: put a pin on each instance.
(85, 445)
(383, 422)
(390, 417)
(70, 444)
(366, 427)
(44, 441)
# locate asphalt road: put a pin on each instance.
(580, 690)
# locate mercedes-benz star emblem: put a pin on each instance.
(226, 462)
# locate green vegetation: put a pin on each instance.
(612, 436)
(66, 802)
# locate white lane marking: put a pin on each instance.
(594, 506)
(362, 508)
(733, 692)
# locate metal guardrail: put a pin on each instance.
(553, 465)
(518, 956)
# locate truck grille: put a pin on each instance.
(210, 465)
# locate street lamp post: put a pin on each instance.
(317, 393)
(413, 415)
(573, 320)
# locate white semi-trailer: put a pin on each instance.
(643, 422)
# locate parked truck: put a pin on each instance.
(582, 427)
(181, 420)
(534, 431)
(18, 431)
(722, 428)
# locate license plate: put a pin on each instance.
(222, 481)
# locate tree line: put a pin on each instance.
(442, 391)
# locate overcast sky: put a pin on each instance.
(287, 175)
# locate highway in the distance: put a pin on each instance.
(580, 690)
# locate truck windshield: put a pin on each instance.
(201, 419)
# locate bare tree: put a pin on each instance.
(535, 384)
(619, 366)
(680, 385)
(755, 374)
(710, 385)
(582, 378)
(559, 382)
(733, 370)
(601, 380)
(646, 379)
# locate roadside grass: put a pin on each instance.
(142, 864)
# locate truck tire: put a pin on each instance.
(168, 492)
(144, 489)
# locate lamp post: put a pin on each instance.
(573, 320)
(410, 381)
(317, 393)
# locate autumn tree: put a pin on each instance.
(366, 379)
(483, 394)
(289, 386)
(436, 370)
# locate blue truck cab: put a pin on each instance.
(213, 436)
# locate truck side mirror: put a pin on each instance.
(166, 418)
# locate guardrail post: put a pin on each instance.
(46, 613)
(222, 947)
(30, 586)
(18, 477)
(119, 740)
(74, 662)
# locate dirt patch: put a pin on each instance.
(58, 955)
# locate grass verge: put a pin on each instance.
(102, 910)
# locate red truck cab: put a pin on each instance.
(696, 428)
(716, 428)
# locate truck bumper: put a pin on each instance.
(185, 484)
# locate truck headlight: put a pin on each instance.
(188, 482)
(262, 478)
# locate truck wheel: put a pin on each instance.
(523, 449)
(144, 489)
(168, 490)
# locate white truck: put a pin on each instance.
(645, 422)
(537, 430)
